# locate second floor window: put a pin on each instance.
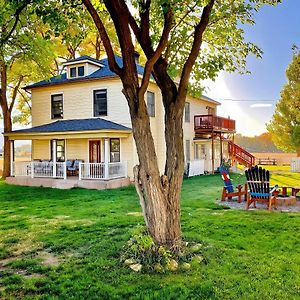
(187, 115)
(100, 103)
(77, 71)
(151, 104)
(57, 106)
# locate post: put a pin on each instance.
(12, 157)
(54, 157)
(221, 149)
(125, 168)
(32, 169)
(212, 154)
(79, 171)
(65, 170)
(106, 158)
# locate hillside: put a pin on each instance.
(260, 143)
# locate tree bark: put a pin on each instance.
(7, 122)
(298, 152)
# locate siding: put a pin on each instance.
(41, 149)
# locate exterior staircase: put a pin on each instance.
(240, 155)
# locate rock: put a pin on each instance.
(158, 268)
(129, 261)
(172, 265)
(197, 259)
(136, 267)
(185, 266)
(196, 248)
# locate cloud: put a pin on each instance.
(261, 105)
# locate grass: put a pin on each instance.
(62, 244)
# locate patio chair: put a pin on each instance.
(258, 180)
(75, 167)
(228, 189)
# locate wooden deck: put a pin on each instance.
(211, 123)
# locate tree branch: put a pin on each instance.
(17, 18)
(104, 37)
(168, 18)
(199, 30)
(15, 92)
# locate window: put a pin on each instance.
(60, 150)
(100, 103)
(203, 152)
(77, 71)
(81, 71)
(57, 106)
(114, 150)
(72, 72)
(151, 104)
(187, 151)
(187, 112)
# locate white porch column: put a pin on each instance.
(54, 157)
(106, 158)
(12, 157)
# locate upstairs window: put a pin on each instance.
(80, 71)
(151, 104)
(72, 72)
(76, 72)
(187, 114)
(57, 106)
(100, 103)
(114, 150)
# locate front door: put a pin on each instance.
(95, 151)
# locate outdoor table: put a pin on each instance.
(295, 190)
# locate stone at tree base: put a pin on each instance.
(185, 266)
(136, 267)
(129, 261)
(172, 265)
(197, 259)
(158, 268)
(196, 248)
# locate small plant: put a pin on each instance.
(141, 253)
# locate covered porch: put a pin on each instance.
(78, 155)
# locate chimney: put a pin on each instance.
(136, 57)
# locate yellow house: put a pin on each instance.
(81, 130)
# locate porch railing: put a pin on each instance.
(295, 164)
(102, 170)
(211, 122)
(39, 169)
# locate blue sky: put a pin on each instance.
(276, 30)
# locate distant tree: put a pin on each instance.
(285, 123)
(22, 50)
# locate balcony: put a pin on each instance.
(210, 123)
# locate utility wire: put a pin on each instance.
(247, 100)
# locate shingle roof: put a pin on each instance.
(104, 72)
(84, 57)
(75, 125)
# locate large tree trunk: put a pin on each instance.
(159, 196)
(7, 122)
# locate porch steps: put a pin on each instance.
(69, 183)
(240, 155)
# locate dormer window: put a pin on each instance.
(76, 72)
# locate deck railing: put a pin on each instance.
(241, 155)
(211, 122)
(295, 164)
(35, 169)
(102, 170)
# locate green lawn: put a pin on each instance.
(63, 244)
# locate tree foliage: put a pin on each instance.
(285, 123)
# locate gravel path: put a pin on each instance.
(233, 204)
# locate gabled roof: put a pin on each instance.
(83, 58)
(75, 125)
(103, 72)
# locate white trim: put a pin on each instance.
(81, 62)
